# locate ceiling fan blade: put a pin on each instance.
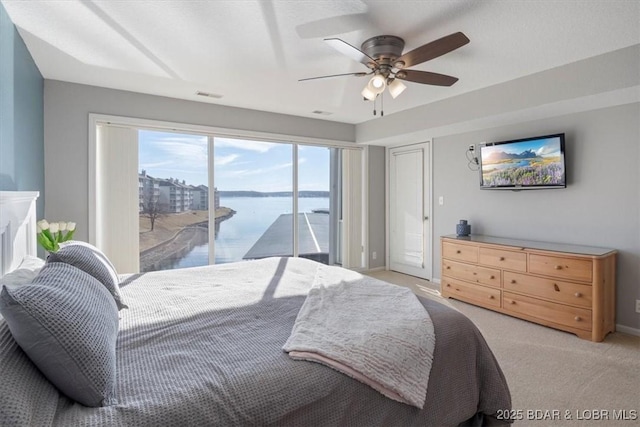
(426, 77)
(351, 51)
(334, 75)
(433, 50)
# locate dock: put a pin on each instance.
(277, 240)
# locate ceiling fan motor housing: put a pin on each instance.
(383, 49)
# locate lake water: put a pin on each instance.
(237, 235)
(511, 164)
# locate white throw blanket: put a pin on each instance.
(375, 332)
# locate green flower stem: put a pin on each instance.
(45, 242)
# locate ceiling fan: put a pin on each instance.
(383, 56)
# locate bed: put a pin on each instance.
(204, 346)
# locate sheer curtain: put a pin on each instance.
(117, 196)
(352, 209)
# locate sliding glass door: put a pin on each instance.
(262, 198)
(174, 200)
(314, 190)
(255, 182)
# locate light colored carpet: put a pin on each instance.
(549, 370)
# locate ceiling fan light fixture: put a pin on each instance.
(389, 66)
(396, 87)
(369, 94)
(378, 83)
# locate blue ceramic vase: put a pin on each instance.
(463, 229)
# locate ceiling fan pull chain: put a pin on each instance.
(382, 104)
(374, 105)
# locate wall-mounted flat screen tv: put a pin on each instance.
(523, 164)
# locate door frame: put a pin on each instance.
(428, 178)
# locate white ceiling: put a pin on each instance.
(252, 52)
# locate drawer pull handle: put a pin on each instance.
(578, 294)
(490, 296)
(448, 267)
(558, 267)
(501, 258)
(512, 302)
(458, 251)
(457, 289)
(578, 318)
(555, 286)
(513, 280)
(492, 277)
(448, 285)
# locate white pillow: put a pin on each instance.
(25, 273)
(32, 263)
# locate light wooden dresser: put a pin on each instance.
(567, 287)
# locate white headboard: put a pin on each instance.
(17, 228)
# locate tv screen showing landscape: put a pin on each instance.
(526, 163)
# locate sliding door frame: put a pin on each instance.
(211, 132)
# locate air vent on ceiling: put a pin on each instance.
(209, 95)
(322, 113)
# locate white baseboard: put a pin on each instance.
(371, 270)
(628, 330)
(436, 280)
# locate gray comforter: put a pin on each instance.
(203, 346)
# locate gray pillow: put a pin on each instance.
(93, 261)
(67, 324)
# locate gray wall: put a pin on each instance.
(599, 207)
(21, 115)
(67, 108)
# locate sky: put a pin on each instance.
(239, 164)
(542, 147)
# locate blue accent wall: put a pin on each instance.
(21, 115)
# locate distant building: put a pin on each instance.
(200, 198)
(148, 189)
(140, 193)
(173, 195)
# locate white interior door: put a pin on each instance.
(409, 230)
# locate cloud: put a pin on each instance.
(548, 150)
(185, 152)
(244, 144)
(178, 155)
(154, 165)
(258, 171)
(225, 160)
(269, 169)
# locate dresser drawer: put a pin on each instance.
(471, 272)
(460, 252)
(555, 290)
(561, 267)
(574, 317)
(476, 294)
(509, 260)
